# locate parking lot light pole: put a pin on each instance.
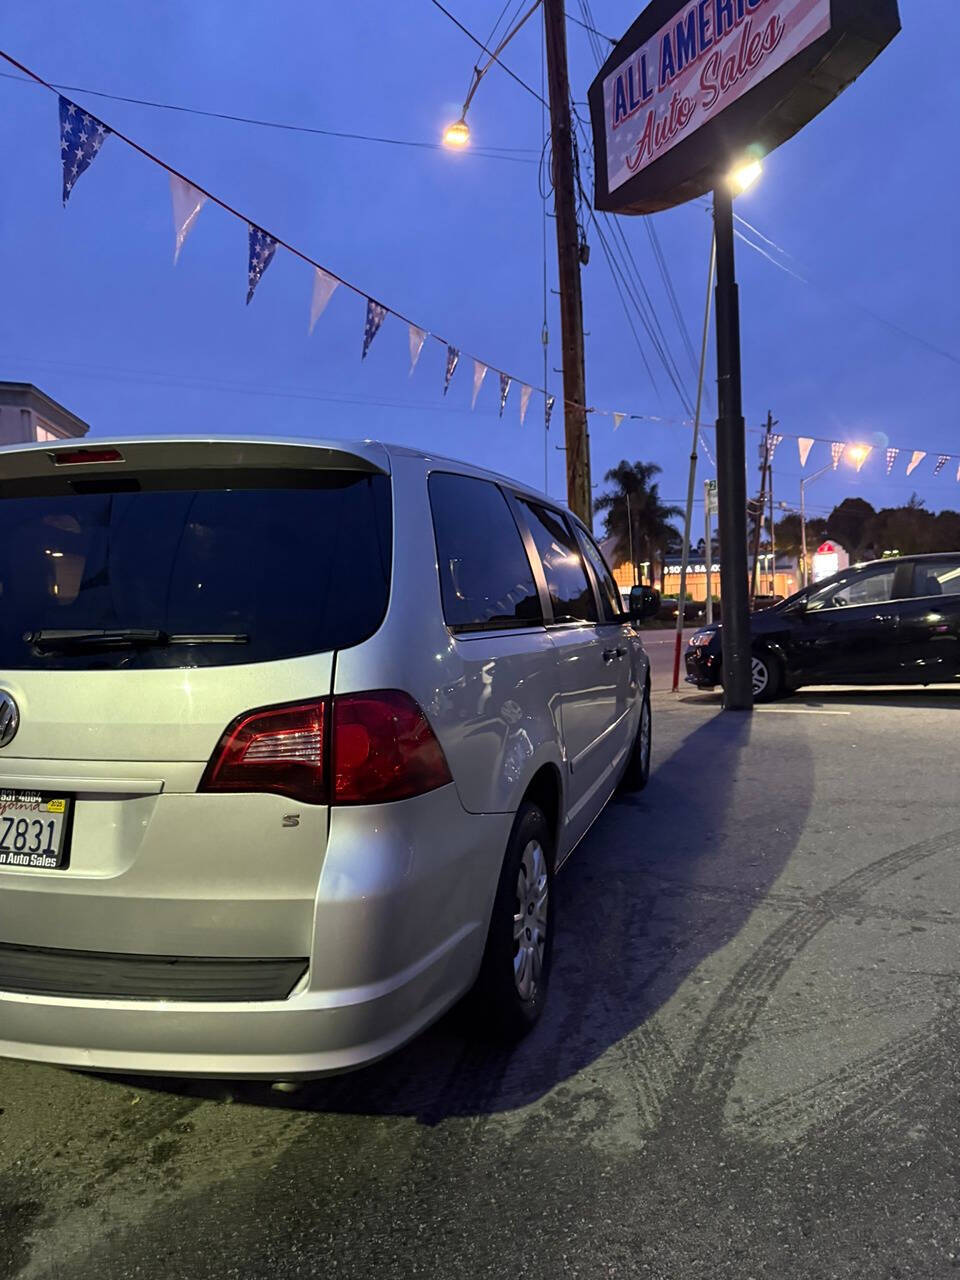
(805, 480)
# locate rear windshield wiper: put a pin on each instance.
(122, 638)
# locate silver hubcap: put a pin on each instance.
(760, 677)
(645, 734)
(530, 921)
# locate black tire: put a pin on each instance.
(772, 677)
(637, 773)
(505, 1009)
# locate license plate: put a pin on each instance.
(33, 830)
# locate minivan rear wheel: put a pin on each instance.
(637, 773)
(512, 987)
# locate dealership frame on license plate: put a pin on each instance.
(35, 829)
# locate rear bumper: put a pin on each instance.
(703, 668)
(400, 921)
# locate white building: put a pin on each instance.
(26, 414)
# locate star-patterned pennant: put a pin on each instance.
(836, 453)
(892, 455)
(453, 359)
(774, 441)
(548, 411)
(918, 457)
(617, 419)
(958, 474)
(262, 248)
(942, 461)
(418, 337)
(375, 313)
(324, 285)
(504, 391)
(479, 373)
(525, 393)
(81, 137)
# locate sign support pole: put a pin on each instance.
(731, 468)
(708, 549)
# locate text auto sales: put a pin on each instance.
(701, 29)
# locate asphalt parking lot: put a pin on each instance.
(749, 1065)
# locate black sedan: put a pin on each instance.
(894, 621)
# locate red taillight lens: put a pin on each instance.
(383, 749)
(281, 750)
(74, 457)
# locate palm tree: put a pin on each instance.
(648, 518)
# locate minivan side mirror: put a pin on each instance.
(644, 603)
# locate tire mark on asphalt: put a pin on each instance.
(712, 1063)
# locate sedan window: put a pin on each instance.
(937, 578)
(874, 588)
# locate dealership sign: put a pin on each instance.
(693, 87)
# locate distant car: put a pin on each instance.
(293, 736)
(894, 621)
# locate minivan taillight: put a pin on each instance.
(280, 749)
(381, 747)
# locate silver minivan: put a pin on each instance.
(293, 738)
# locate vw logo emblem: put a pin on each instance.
(9, 718)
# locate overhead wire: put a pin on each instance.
(479, 43)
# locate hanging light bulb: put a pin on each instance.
(457, 135)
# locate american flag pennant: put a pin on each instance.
(187, 202)
(375, 313)
(548, 411)
(505, 381)
(324, 285)
(774, 441)
(453, 359)
(836, 453)
(942, 461)
(418, 337)
(804, 444)
(479, 373)
(862, 454)
(617, 419)
(918, 457)
(81, 137)
(262, 248)
(892, 455)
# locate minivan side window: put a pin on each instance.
(610, 603)
(485, 576)
(936, 577)
(570, 591)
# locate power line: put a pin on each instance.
(480, 45)
(490, 153)
(587, 27)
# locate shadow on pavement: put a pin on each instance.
(665, 879)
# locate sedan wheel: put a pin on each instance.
(761, 677)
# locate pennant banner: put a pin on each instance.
(262, 248)
(836, 453)
(804, 444)
(479, 373)
(504, 390)
(418, 337)
(453, 359)
(323, 287)
(617, 419)
(375, 313)
(892, 455)
(525, 393)
(187, 203)
(942, 461)
(81, 137)
(772, 446)
(548, 411)
(861, 455)
(918, 457)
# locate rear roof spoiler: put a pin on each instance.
(97, 457)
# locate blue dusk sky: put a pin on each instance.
(865, 348)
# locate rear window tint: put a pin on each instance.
(297, 570)
(570, 591)
(485, 576)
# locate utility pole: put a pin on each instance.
(579, 496)
(773, 537)
(758, 508)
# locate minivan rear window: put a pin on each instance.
(235, 574)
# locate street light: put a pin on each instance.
(743, 177)
(457, 135)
